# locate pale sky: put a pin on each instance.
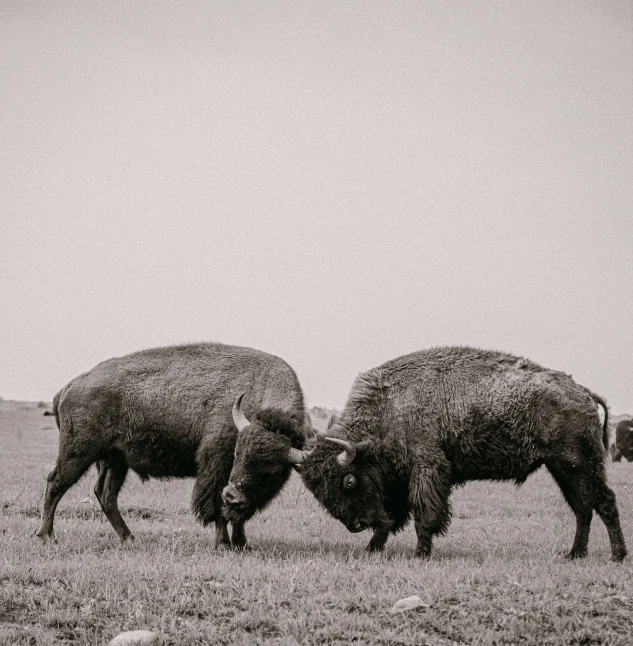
(337, 183)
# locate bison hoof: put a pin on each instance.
(423, 552)
(375, 548)
(576, 554)
(618, 557)
(241, 547)
(223, 546)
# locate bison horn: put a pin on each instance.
(348, 455)
(331, 431)
(240, 420)
(295, 456)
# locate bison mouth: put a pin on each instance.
(355, 529)
(236, 512)
(356, 526)
(378, 520)
(235, 504)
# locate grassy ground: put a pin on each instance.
(497, 577)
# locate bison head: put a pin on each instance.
(345, 477)
(262, 461)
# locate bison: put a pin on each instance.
(166, 413)
(416, 426)
(623, 446)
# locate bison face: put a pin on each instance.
(261, 465)
(348, 484)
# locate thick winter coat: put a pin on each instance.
(166, 413)
(417, 426)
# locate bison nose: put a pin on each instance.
(356, 526)
(232, 496)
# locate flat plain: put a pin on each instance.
(499, 576)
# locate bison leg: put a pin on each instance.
(585, 489)
(238, 535)
(429, 491)
(604, 504)
(378, 540)
(207, 504)
(65, 474)
(579, 500)
(111, 478)
(213, 471)
(222, 538)
(102, 467)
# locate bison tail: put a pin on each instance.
(605, 425)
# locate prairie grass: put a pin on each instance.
(497, 577)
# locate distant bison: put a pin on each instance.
(417, 426)
(623, 446)
(308, 428)
(166, 413)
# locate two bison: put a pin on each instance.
(412, 429)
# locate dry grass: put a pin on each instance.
(497, 577)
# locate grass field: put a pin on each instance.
(497, 577)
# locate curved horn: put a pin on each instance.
(239, 419)
(295, 456)
(332, 431)
(348, 455)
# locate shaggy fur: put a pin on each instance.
(431, 420)
(165, 413)
(623, 441)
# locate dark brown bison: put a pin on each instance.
(166, 413)
(417, 426)
(623, 446)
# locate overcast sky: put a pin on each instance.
(337, 183)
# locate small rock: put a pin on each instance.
(135, 638)
(409, 603)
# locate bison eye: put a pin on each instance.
(349, 481)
